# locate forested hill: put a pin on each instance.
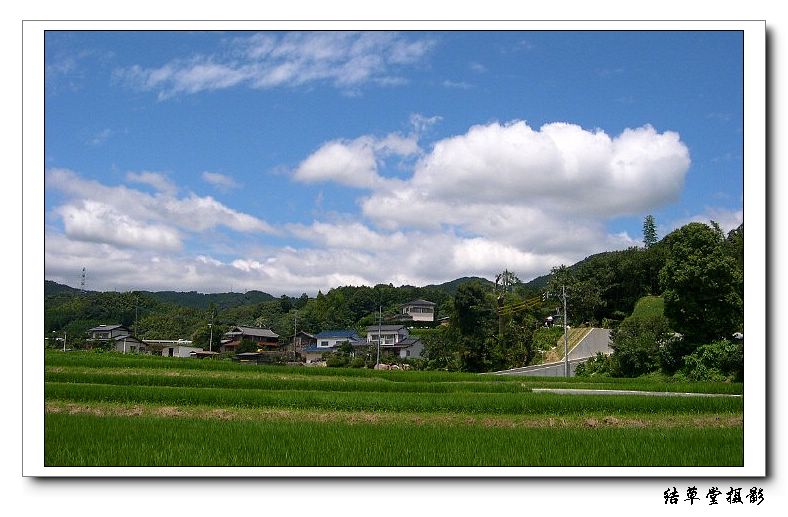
(190, 299)
(197, 300)
(52, 288)
(452, 286)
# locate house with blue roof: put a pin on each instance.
(329, 341)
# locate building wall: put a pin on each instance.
(419, 312)
(412, 352)
(179, 351)
(311, 357)
(328, 342)
(387, 337)
(132, 346)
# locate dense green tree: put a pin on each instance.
(517, 342)
(440, 349)
(473, 325)
(636, 345)
(583, 294)
(209, 338)
(735, 245)
(703, 285)
(302, 300)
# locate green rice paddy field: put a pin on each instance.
(123, 410)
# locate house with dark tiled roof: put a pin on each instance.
(265, 339)
(108, 331)
(395, 339)
(118, 336)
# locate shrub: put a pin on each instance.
(598, 365)
(637, 343)
(337, 360)
(717, 361)
(358, 362)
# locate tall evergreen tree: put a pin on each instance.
(649, 231)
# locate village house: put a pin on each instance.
(329, 341)
(265, 339)
(395, 339)
(302, 340)
(418, 310)
(118, 336)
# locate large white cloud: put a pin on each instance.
(560, 168)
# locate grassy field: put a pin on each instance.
(116, 410)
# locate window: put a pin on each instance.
(324, 343)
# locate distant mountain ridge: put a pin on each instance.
(197, 300)
(53, 288)
(452, 286)
(191, 299)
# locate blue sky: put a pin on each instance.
(292, 162)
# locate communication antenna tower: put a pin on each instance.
(82, 282)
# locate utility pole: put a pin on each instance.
(65, 334)
(295, 332)
(566, 341)
(210, 339)
(380, 322)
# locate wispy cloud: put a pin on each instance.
(157, 180)
(346, 60)
(719, 116)
(460, 85)
(220, 181)
(100, 137)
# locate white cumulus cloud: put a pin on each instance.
(99, 222)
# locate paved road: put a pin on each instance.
(597, 340)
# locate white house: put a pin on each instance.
(395, 339)
(419, 310)
(387, 334)
(106, 332)
(118, 336)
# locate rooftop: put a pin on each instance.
(419, 302)
(337, 334)
(252, 331)
(106, 328)
(384, 328)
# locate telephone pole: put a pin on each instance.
(566, 341)
(295, 332)
(380, 322)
